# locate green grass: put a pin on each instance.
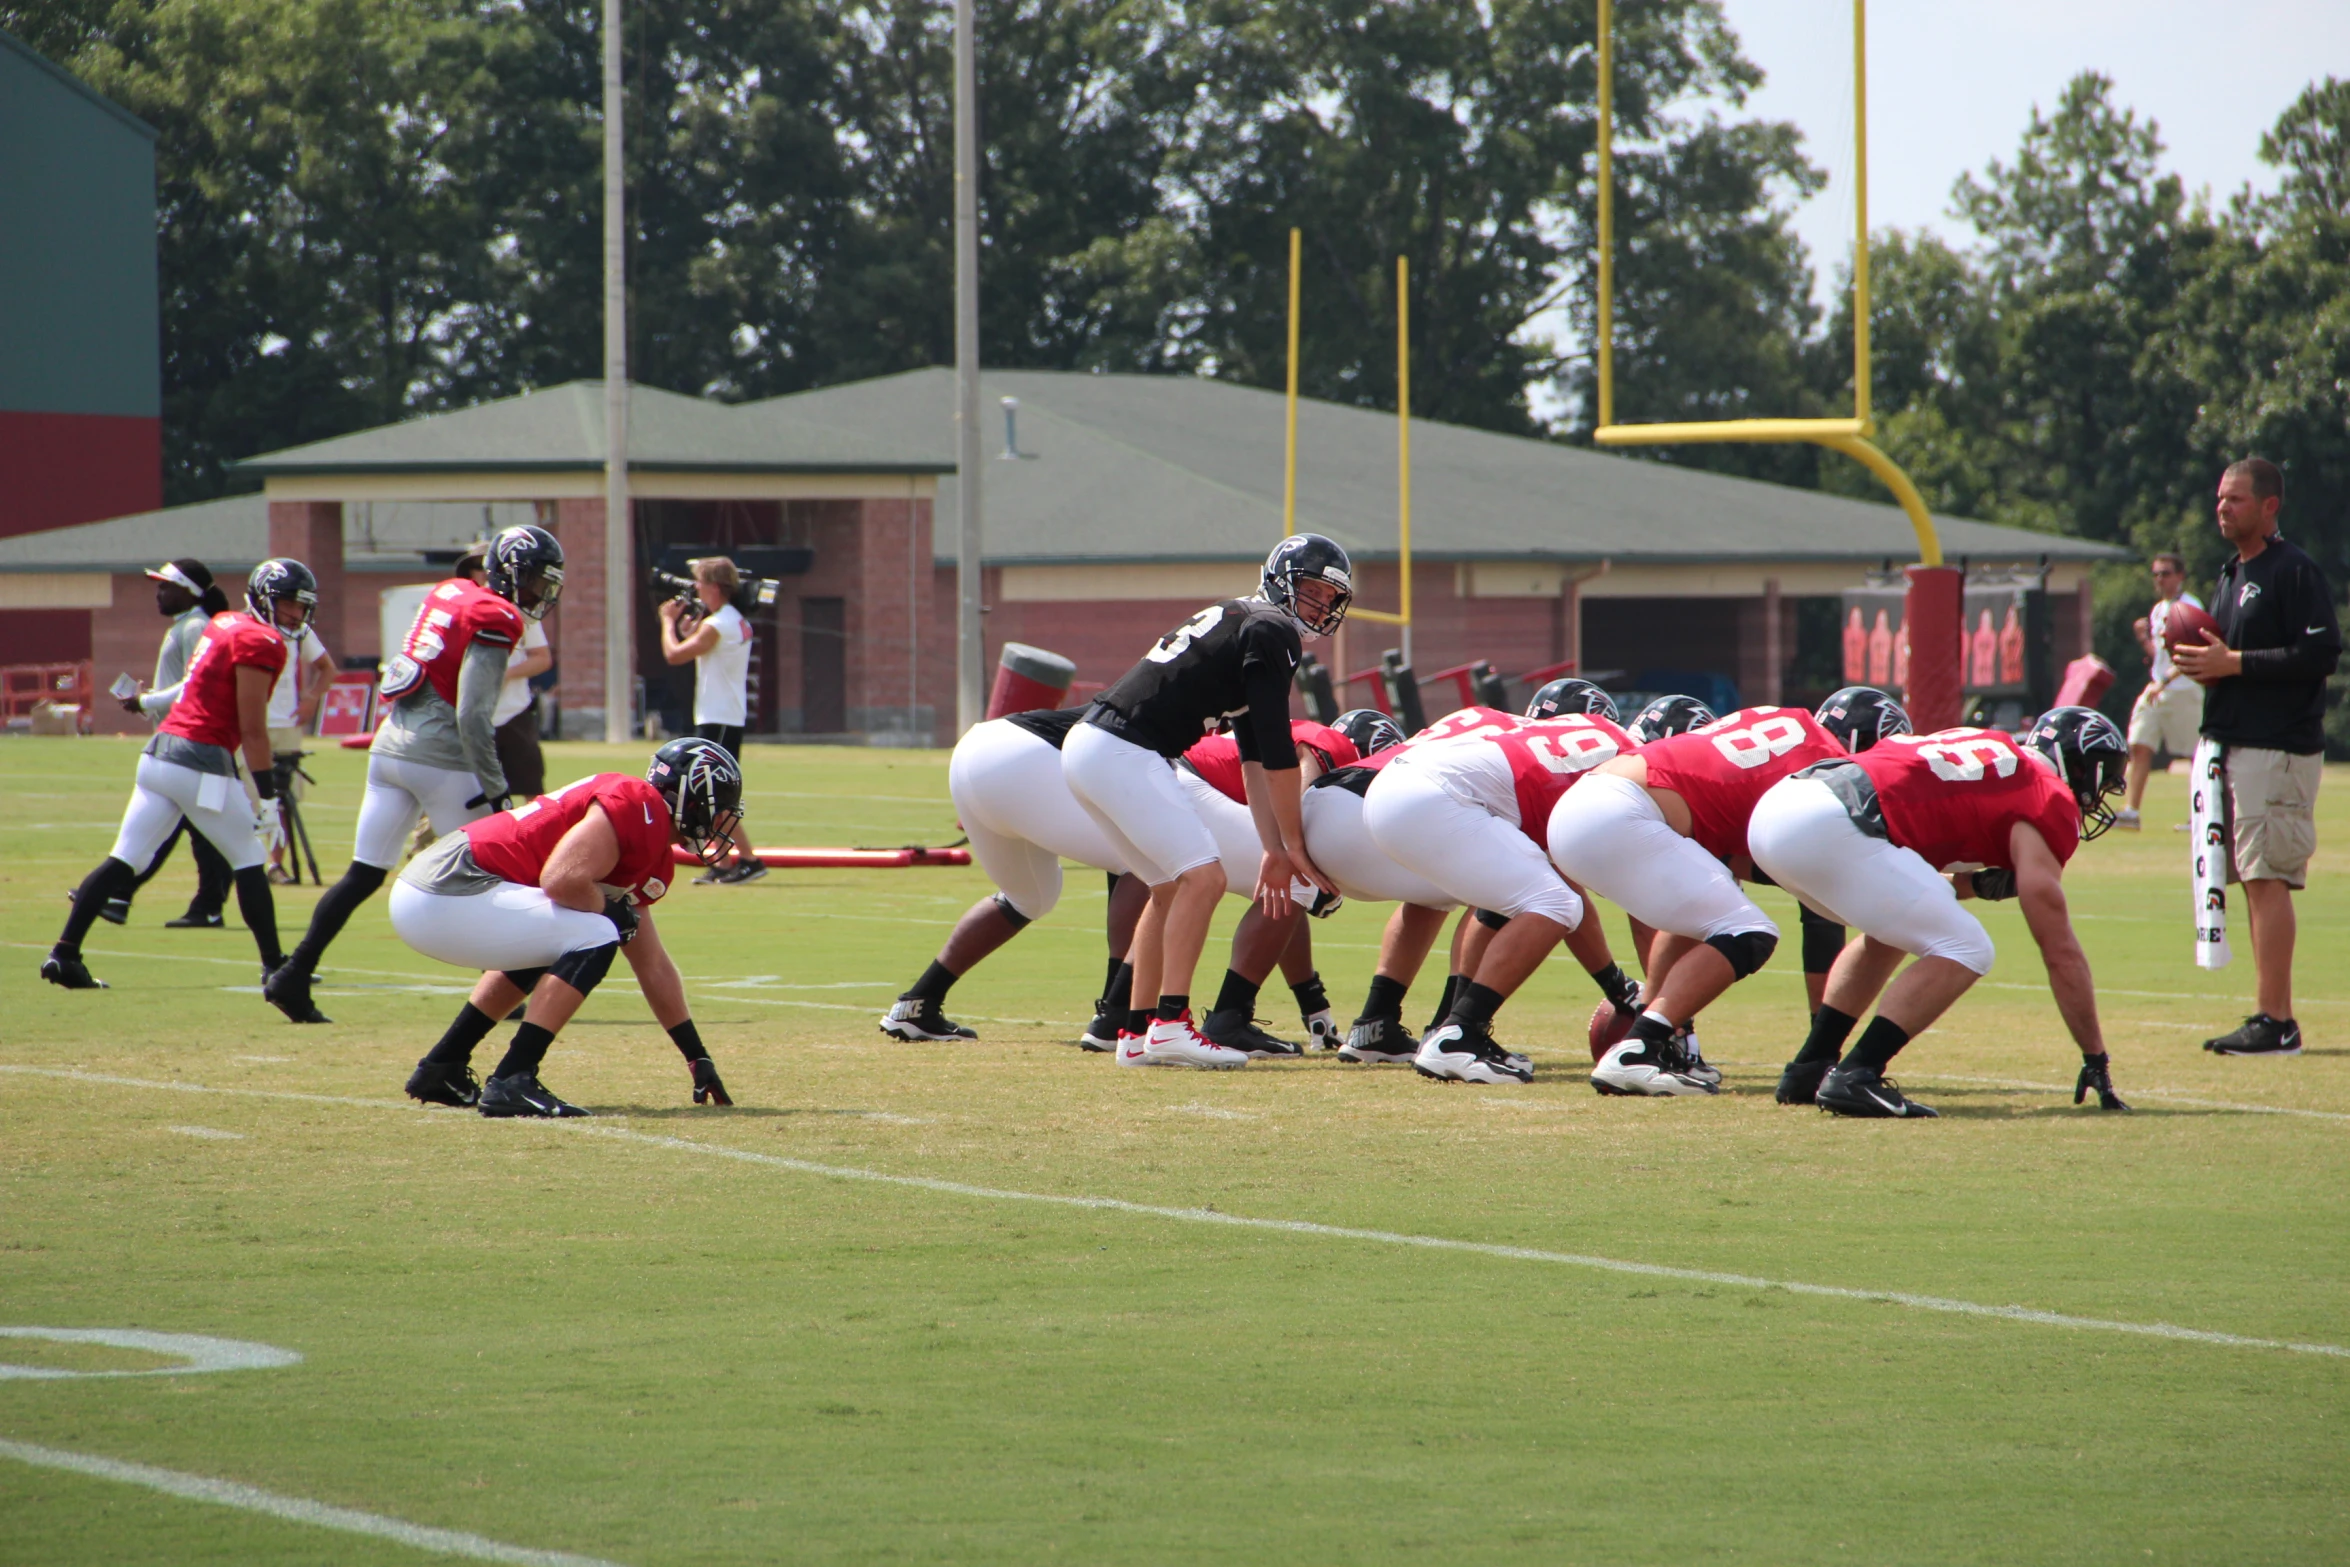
(569, 1340)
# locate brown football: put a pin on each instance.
(1609, 1028)
(2183, 625)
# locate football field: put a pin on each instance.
(1004, 1302)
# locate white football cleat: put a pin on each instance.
(1632, 1068)
(1174, 1042)
(1130, 1051)
(1451, 1053)
(1323, 1032)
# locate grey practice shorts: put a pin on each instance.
(2272, 805)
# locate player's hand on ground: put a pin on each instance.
(707, 1088)
(2097, 1073)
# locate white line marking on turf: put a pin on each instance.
(294, 1509)
(199, 1353)
(1963, 1308)
(207, 1131)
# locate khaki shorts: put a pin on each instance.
(2272, 806)
(2169, 719)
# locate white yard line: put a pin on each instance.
(1933, 1303)
(294, 1509)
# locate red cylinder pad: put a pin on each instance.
(1932, 613)
(1028, 678)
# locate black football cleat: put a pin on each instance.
(1379, 1041)
(194, 919)
(1799, 1081)
(287, 988)
(69, 973)
(1236, 1030)
(1855, 1090)
(2097, 1073)
(2261, 1035)
(1101, 1035)
(707, 1088)
(918, 1022)
(115, 911)
(436, 1083)
(523, 1095)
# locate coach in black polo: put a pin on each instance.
(2265, 703)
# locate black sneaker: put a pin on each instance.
(742, 871)
(2261, 1035)
(707, 1089)
(1799, 1081)
(287, 988)
(194, 919)
(1236, 1030)
(917, 1022)
(709, 878)
(1101, 1035)
(436, 1083)
(1379, 1041)
(523, 1095)
(1851, 1089)
(115, 911)
(69, 973)
(2097, 1073)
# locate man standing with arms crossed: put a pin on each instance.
(2264, 706)
(2170, 710)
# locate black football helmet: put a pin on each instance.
(276, 581)
(1860, 716)
(1669, 715)
(1569, 695)
(1309, 557)
(2087, 750)
(704, 787)
(1369, 729)
(525, 567)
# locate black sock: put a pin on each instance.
(1879, 1043)
(1650, 1028)
(525, 1053)
(259, 907)
(1452, 988)
(1117, 980)
(1137, 1021)
(1614, 984)
(470, 1027)
(1475, 1005)
(1239, 994)
(335, 908)
(1829, 1029)
(933, 986)
(1311, 997)
(112, 879)
(1385, 999)
(1172, 1007)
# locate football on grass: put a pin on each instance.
(1609, 1028)
(2183, 625)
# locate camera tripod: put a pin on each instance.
(288, 767)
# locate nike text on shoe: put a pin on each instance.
(433, 1083)
(1455, 1053)
(707, 1088)
(1174, 1042)
(287, 988)
(2261, 1035)
(69, 973)
(1857, 1091)
(1236, 1030)
(1379, 1041)
(523, 1095)
(1632, 1069)
(916, 1021)
(1799, 1081)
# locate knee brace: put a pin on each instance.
(525, 980)
(1823, 939)
(1747, 951)
(1012, 916)
(584, 968)
(1491, 920)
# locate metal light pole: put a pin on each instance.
(619, 564)
(970, 636)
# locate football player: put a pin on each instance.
(1010, 798)
(186, 595)
(1464, 812)
(540, 899)
(1655, 832)
(1233, 660)
(1891, 840)
(189, 769)
(435, 754)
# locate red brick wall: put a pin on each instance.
(576, 630)
(123, 640)
(312, 533)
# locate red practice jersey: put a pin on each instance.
(1217, 758)
(1953, 795)
(1479, 721)
(206, 711)
(1721, 769)
(515, 844)
(1547, 755)
(454, 614)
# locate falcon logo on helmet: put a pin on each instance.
(704, 788)
(277, 581)
(524, 566)
(1860, 716)
(1370, 730)
(1305, 558)
(1570, 695)
(1667, 716)
(2088, 752)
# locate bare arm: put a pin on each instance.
(315, 680)
(1273, 804)
(656, 974)
(253, 716)
(684, 650)
(2039, 886)
(584, 857)
(530, 661)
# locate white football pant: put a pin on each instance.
(1609, 836)
(1476, 857)
(1133, 796)
(215, 806)
(1339, 839)
(510, 928)
(1022, 820)
(399, 791)
(1806, 841)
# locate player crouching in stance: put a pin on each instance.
(1868, 840)
(542, 898)
(189, 769)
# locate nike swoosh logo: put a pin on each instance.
(648, 810)
(1882, 1100)
(2315, 631)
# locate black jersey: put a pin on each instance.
(1232, 660)
(2277, 610)
(1049, 724)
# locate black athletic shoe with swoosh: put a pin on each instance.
(1858, 1091)
(1236, 1030)
(916, 1022)
(287, 988)
(1799, 1081)
(435, 1083)
(1379, 1041)
(2261, 1035)
(523, 1095)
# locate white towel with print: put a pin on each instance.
(2207, 828)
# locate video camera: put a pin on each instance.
(750, 595)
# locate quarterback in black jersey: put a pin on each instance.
(1230, 663)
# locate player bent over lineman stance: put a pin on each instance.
(542, 898)
(436, 753)
(1868, 841)
(189, 769)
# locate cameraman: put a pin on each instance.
(716, 640)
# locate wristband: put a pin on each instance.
(265, 783)
(688, 1040)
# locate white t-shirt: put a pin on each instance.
(2164, 671)
(285, 698)
(514, 696)
(722, 675)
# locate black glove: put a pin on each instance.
(2097, 1073)
(1993, 886)
(707, 1088)
(622, 914)
(496, 802)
